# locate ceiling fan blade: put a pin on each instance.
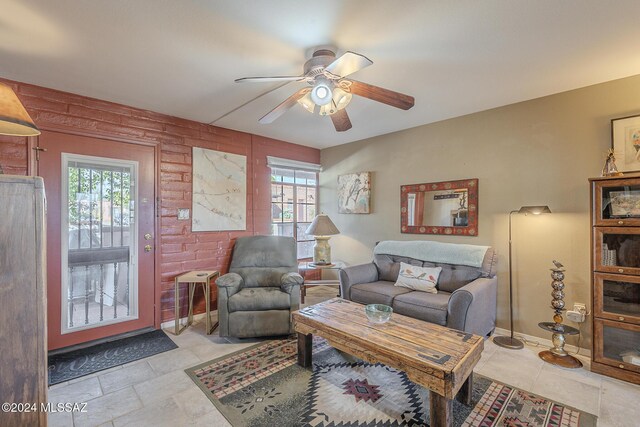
(341, 120)
(269, 79)
(386, 96)
(284, 106)
(348, 63)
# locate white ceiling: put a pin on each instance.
(181, 57)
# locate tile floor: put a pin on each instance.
(156, 392)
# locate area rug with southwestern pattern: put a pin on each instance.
(263, 386)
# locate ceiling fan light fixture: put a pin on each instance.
(329, 91)
(328, 109)
(307, 103)
(341, 98)
(321, 93)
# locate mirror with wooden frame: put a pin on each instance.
(449, 207)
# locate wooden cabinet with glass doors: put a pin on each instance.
(615, 291)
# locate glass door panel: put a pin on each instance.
(99, 277)
(617, 202)
(617, 250)
(617, 297)
(620, 344)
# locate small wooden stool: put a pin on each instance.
(193, 278)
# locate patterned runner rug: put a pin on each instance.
(263, 386)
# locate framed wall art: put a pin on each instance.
(219, 191)
(625, 135)
(354, 193)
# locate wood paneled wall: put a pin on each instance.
(181, 250)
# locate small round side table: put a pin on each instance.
(557, 355)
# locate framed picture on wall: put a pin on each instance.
(625, 135)
(354, 193)
(219, 191)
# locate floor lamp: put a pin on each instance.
(510, 341)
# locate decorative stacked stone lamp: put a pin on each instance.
(557, 355)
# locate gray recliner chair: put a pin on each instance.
(262, 288)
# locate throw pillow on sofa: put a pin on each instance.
(422, 279)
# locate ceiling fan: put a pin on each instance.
(330, 90)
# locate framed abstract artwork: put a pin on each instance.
(354, 193)
(625, 135)
(219, 191)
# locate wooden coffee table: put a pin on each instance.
(437, 358)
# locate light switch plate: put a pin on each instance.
(183, 213)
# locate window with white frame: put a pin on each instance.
(294, 201)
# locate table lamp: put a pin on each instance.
(322, 228)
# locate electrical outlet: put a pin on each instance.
(575, 316)
(183, 214)
(580, 307)
(578, 314)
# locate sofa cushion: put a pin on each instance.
(380, 292)
(424, 306)
(417, 278)
(453, 277)
(258, 299)
(490, 262)
(389, 265)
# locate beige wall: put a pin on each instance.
(535, 152)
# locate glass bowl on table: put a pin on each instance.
(378, 313)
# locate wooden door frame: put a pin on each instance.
(32, 143)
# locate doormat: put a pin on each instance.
(263, 386)
(78, 363)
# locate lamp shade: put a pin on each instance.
(14, 119)
(322, 226)
(535, 210)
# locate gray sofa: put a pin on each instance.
(467, 286)
(262, 288)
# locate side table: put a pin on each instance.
(557, 355)
(193, 278)
(304, 267)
